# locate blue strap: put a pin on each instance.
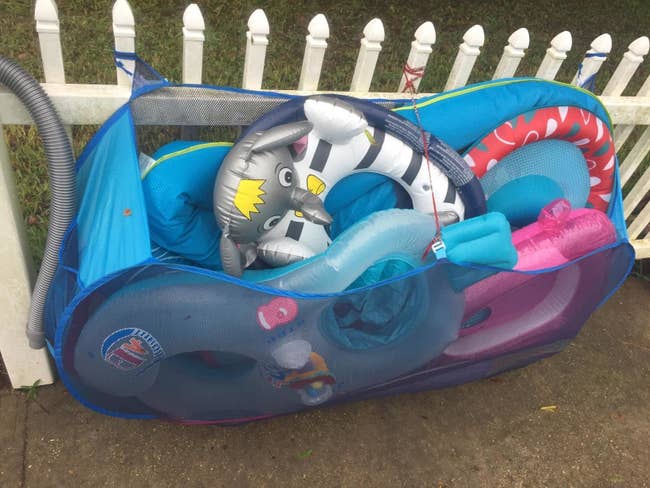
(120, 65)
(589, 83)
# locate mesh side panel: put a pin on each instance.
(529, 317)
(196, 347)
(145, 75)
(204, 106)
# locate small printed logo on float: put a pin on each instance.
(130, 348)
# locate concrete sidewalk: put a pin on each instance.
(489, 433)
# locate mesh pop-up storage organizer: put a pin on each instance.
(139, 329)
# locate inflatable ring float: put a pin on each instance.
(576, 125)
(271, 186)
(192, 347)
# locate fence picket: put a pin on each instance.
(637, 192)
(373, 36)
(555, 56)
(513, 53)
(468, 51)
(315, 46)
(627, 67)
(622, 132)
(640, 223)
(49, 37)
(257, 38)
(635, 157)
(193, 38)
(24, 365)
(593, 60)
(425, 37)
(124, 33)
(641, 248)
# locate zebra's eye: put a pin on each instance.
(271, 222)
(285, 177)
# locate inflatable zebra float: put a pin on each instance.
(270, 189)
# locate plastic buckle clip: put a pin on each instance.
(439, 249)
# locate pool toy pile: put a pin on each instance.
(339, 249)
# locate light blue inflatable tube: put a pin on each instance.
(397, 235)
(391, 234)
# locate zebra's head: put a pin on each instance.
(256, 187)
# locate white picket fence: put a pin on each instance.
(81, 104)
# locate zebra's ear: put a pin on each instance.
(335, 120)
(281, 135)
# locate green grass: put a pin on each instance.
(87, 50)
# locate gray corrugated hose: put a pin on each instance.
(60, 158)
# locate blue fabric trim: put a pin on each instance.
(50, 348)
(120, 65)
(615, 209)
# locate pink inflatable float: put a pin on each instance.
(503, 313)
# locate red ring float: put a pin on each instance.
(576, 125)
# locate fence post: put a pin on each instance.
(622, 132)
(124, 33)
(627, 67)
(468, 51)
(315, 46)
(425, 37)
(256, 41)
(593, 60)
(24, 365)
(555, 56)
(49, 37)
(193, 37)
(513, 52)
(373, 36)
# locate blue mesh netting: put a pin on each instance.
(142, 336)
